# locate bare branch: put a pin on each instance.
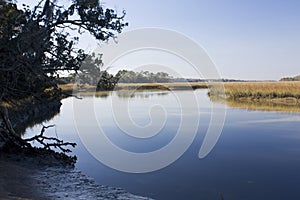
(49, 142)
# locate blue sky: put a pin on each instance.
(246, 39)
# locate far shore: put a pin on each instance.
(277, 96)
(232, 90)
(138, 86)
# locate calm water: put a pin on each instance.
(256, 157)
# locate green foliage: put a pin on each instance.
(106, 82)
(296, 78)
(89, 72)
(125, 76)
(36, 44)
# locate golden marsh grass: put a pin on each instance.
(257, 90)
(140, 86)
(266, 96)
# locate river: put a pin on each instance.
(256, 156)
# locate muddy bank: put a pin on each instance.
(25, 178)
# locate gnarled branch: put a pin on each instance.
(49, 142)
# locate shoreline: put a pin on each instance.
(234, 90)
(43, 175)
(73, 88)
(25, 178)
(264, 95)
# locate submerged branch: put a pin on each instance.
(53, 142)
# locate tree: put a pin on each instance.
(162, 77)
(296, 78)
(106, 82)
(36, 44)
(124, 76)
(90, 72)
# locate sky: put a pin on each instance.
(246, 39)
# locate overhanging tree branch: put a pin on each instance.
(35, 45)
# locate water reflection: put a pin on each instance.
(140, 94)
(259, 105)
(256, 157)
(98, 94)
(102, 94)
(264, 106)
(124, 93)
(29, 117)
(243, 104)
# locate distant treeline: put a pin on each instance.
(125, 76)
(296, 78)
(92, 75)
(106, 81)
(207, 80)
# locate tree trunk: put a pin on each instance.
(10, 140)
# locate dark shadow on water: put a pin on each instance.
(31, 115)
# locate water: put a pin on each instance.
(256, 157)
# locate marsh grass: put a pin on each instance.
(162, 86)
(266, 96)
(139, 86)
(233, 90)
(266, 90)
(70, 88)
